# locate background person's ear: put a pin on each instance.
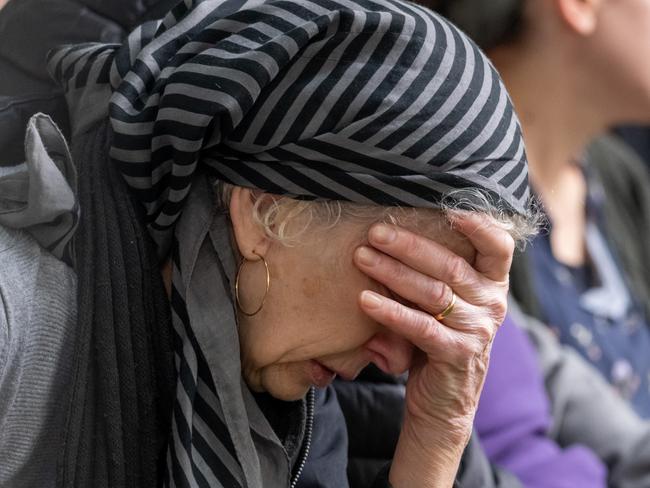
(581, 16)
(252, 241)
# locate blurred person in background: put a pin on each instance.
(574, 70)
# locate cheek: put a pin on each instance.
(353, 325)
(311, 288)
(311, 310)
(331, 305)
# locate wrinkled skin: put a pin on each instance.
(359, 295)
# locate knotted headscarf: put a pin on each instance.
(369, 101)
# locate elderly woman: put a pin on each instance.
(335, 184)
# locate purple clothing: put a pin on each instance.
(513, 419)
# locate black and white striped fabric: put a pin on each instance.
(201, 452)
(369, 101)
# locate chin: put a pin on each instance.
(290, 381)
(285, 382)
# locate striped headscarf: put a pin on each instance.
(369, 101)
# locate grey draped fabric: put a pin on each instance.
(38, 214)
(366, 101)
(39, 195)
(220, 437)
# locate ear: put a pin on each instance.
(581, 16)
(252, 241)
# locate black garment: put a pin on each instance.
(328, 454)
(373, 408)
(119, 412)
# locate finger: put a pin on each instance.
(418, 327)
(469, 319)
(429, 294)
(427, 257)
(493, 244)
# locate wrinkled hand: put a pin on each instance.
(447, 373)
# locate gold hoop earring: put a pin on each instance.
(266, 292)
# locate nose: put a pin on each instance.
(390, 352)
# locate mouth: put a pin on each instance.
(347, 374)
(320, 375)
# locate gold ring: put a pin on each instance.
(448, 309)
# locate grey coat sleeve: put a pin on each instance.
(586, 409)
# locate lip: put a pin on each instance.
(320, 375)
(348, 375)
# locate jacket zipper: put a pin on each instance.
(311, 403)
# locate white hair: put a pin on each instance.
(279, 215)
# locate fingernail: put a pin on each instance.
(370, 299)
(367, 257)
(382, 234)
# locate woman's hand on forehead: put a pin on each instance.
(427, 274)
(445, 381)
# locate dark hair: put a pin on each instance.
(488, 23)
